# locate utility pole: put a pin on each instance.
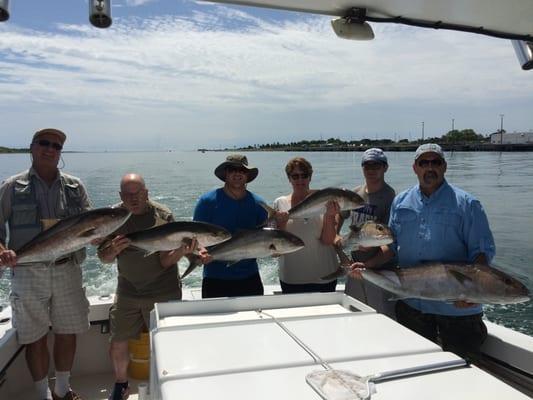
(453, 124)
(422, 131)
(501, 128)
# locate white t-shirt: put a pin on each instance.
(312, 262)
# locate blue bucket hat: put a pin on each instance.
(429, 148)
(374, 155)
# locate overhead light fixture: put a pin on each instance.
(4, 10)
(100, 13)
(524, 53)
(353, 26)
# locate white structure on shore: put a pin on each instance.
(511, 138)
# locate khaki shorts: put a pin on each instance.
(128, 315)
(44, 296)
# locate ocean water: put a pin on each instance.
(501, 181)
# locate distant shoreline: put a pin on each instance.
(391, 148)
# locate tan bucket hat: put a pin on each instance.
(239, 161)
(50, 131)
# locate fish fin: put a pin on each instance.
(149, 253)
(462, 278)
(29, 264)
(396, 298)
(88, 232)
(194, 261)
(343, 258)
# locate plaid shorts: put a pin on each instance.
(44, 296)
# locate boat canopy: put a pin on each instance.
(509, 19)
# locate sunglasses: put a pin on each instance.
(242, 170)
(131, 195)
(299, 176)
(436, 162)
(372, 165)
(47, 143)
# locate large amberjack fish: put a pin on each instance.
(170, 236)
(258, 243)
(370, 234)
(71, 234)
(315, 203)
(473, 283)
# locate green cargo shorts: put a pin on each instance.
(128, 315)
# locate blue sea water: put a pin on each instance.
(501, 181)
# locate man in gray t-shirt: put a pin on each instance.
(378, 196)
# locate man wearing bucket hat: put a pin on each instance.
(40, 295)
(234, 208)
(434, 221)
(378, 197)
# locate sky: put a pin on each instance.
(180, 74)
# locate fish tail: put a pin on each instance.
(268, 209)
(194, 261)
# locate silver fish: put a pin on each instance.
(473, 283)
(370, 234)
(315, 203)
(257, 243)
(71, 234)
(172, 235)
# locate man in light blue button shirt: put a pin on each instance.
(435, 221)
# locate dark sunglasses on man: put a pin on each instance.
(48, 143)
(241, 170)
(434, 162)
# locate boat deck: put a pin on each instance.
(90, 387)
(234, 349)
(263, 348)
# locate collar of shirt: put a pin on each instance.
(435, 195)
(32, 172)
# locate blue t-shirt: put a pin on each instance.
(448, 226)
(216, 207)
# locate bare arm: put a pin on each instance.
(110, 249)
(7, 257)
(384, 255)
(169, 258)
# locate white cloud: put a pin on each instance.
(135, 3)
(223, 74)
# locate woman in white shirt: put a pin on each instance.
(301, 271)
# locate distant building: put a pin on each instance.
(511, 138)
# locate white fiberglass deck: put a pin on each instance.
(225, 349)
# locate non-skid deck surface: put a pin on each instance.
(90, 387)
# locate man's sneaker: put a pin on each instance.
(70, 395)
(121, 391)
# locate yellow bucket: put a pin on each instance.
(139, 349)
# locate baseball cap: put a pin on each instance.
(375, 155)
(429, 148)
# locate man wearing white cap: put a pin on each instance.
(378, 196)
(41, 295)
(437, 222)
